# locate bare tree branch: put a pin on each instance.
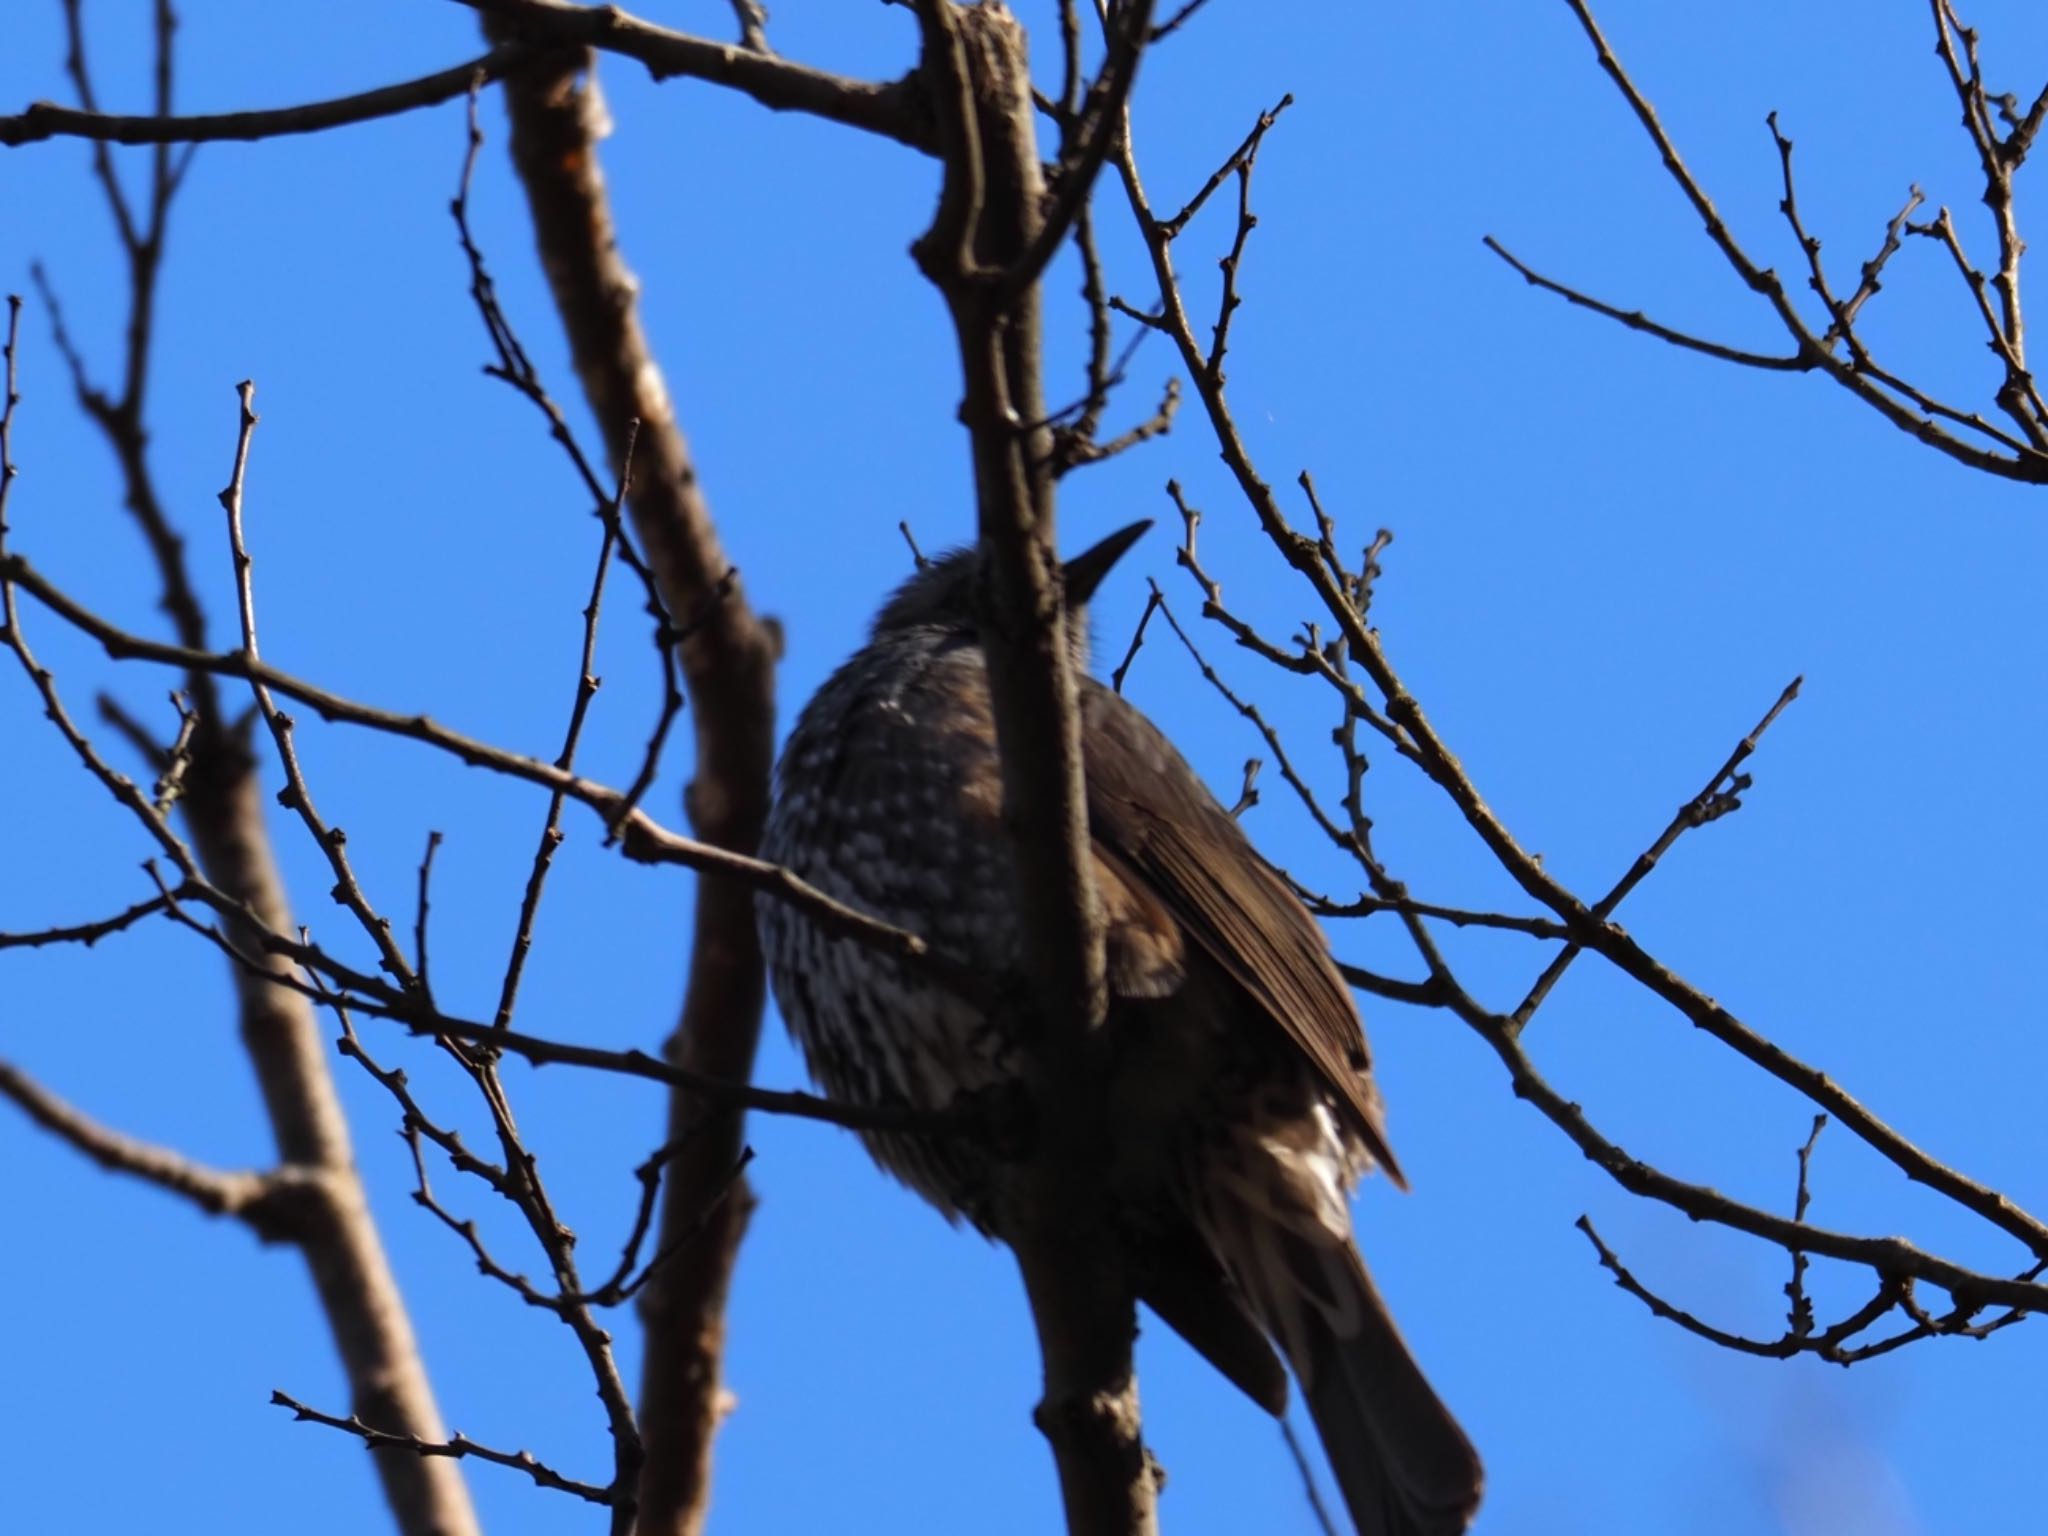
(727, 655)
(87, 934)
(521, 1183)
(222, 807)
(249, 1197)
(1721, 795)
(1906, 407)
(1636, 320)
(1403, 724)
(454, 1447)
(894, 111)
(993, 228)
(643, 839)
(48, 120)
(1002, 215)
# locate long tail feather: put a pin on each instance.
(1402, 1462)
(1404, 1466)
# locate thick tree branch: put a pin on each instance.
(895, 111)
(991, 230)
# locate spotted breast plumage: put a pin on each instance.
(1241, 1103)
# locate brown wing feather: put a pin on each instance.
(1146, 953)
(1158, 821)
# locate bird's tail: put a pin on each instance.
(1404, 1466)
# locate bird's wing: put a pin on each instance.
(1157, 827)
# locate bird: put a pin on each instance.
(1240, 1104)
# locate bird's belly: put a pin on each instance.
(873, 1037)
(876, 1034)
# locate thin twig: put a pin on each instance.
(917, 556)
(87, 934)
(1123, 668)
(1177, 20)
(177, 759)
(1248, 795)
(515, 368)
(1720, 795)
(1799, 1313)
(587, 684)
(457, 1446)
(1636, 320)
(1306, 1472)
(297, 795)
(624, 1285)
(420, 913)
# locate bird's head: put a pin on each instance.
(944, 592)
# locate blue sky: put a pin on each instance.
(1609, 557)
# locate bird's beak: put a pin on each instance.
(1085, 571)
